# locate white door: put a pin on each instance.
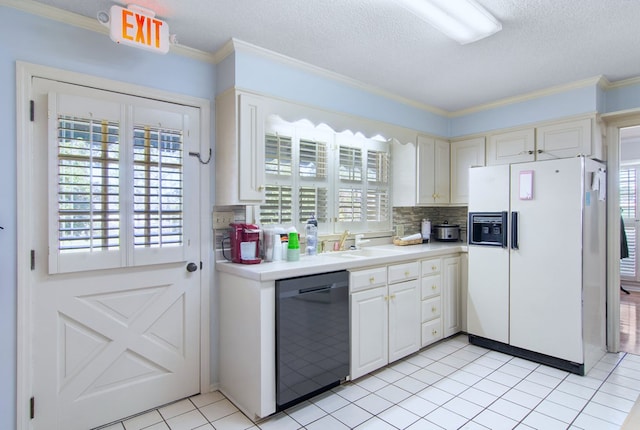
(115, 312)
(629, 190)
(404, 319)
(369, 328)
(546, 269)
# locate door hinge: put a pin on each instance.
(32, 110)
(201, 265)
(32, 407)
(33, 260)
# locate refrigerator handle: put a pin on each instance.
(514, 230)
(505, 216)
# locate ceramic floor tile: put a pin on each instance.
(627, 372)
(393, 394)
(489, 362)
(568, 400)
(419, 360)
(576, 390)
(559, 412)
(118, 426)
(441, 369)
(142, 421)
(509, 409)
(496, 355)
(175, 409)
(446, 419)
(463, 407)
(543, 422)
(325, 423)
(524, 363)
(612, 401)
(471, 425)
(622, 381)
(605, 413)
(351, 415)
(504, 378)
(465, 377)
(373, 404)
(305, 413)
(158, 426)
(521, 398)
(494, 420)
(410, 384)
(418, 405)
(478, 397)
(478, 370)
(329, 402)
(552, 371)
(427, 376)
(453, 361)
(423, 424)
(466, 355)
(207, 398)
(517, 371)
(476, 349)
(405, 367)
(282, 421)
(534, 389)
(399, 417)
(235, 421)
(435, 395)
(491, 387)
(620, 391)
(371, 383)
(389, 375)
(451, 386)
(351, 392)
(375, 423)
(588, 422)
(206, 427)
(219, 409)
(598, 374)
(187, 421)
(585, 381)
(542, 379)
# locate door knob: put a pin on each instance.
(192, 267)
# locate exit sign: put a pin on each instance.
(138, 27)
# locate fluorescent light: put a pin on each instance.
(462, 20)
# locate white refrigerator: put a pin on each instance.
(542, 296)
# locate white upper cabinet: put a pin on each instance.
(404, 170)
(240, 148)
(511, 147)
(565, 140)
(556, 140)
(464, 154)
(432, 171)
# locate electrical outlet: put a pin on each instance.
(400, 230)
(222, 219)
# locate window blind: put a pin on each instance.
(277, 206)
(350, 164)
(278, 155)
(628, 205)
(313, 159)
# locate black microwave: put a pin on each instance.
(488, 228)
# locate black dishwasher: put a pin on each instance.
(312, 336)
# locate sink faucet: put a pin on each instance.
(360, 240)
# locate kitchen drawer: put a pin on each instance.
(431, 286)
(431, 331)
(431, 309)
(431, 266)
(369, 278)
(403, 272)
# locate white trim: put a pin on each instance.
(24, 130)
(614, 123)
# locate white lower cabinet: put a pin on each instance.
(431, 301)
(451, 296)
(385, 315)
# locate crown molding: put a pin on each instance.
(598, 80)
(623, 83)
(241, 46)
(90, 24)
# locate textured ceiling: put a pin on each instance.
(543, 43)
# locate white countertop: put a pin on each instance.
(344, 260)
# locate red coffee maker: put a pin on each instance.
(245, 243)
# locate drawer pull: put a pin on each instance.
(434, 332)
(407, 273)
(434, 268)
(393, 296)
(434, 309)
(372, 280)
(433, 287)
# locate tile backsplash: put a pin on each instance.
(411, 217)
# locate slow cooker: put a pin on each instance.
(446, 232)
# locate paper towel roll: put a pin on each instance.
(412, 237)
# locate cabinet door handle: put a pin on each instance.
(434, 268)
(261, 188)
(434, 309)
(371, 280)
(407, 273)
(433, 287)
(393, 296)
(434, 332)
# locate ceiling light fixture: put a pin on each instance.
(462, 20)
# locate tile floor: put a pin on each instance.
(449, 385)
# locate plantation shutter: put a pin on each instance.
(277, 207)
(314, 185)
(116, 175)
